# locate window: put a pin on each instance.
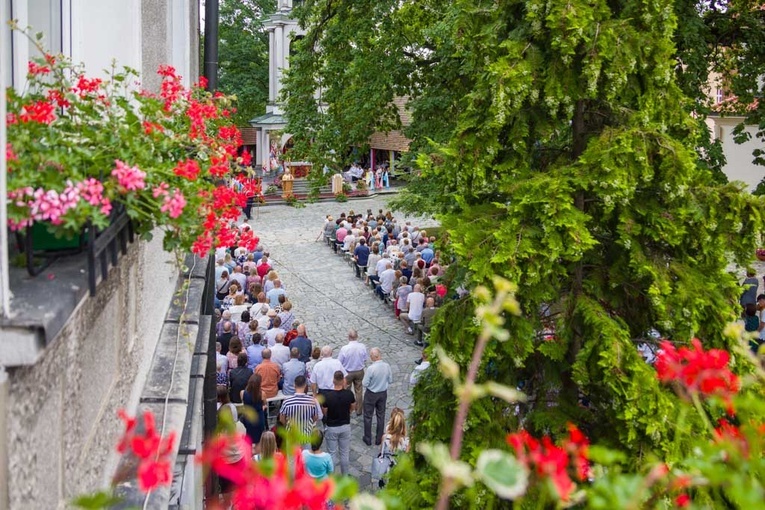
(720, 96)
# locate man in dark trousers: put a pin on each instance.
(337, 407)
(376, 381)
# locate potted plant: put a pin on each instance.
(80, 147)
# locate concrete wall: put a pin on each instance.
(61, 412)
(170, 36)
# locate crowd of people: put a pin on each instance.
(397, 260)
(272, 375)
(376, 178)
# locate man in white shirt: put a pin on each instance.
(380, 267)
(261, 316)
(273, 294)
(275, 330)
(387, 278)
(415, 302)
(423, 365)
(354, 357)
(349, 241)
(239, 277)
(280, 353)
(221, 358)
(323, 373)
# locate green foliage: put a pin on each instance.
(97, 501)
(555, 144)
(243, 55)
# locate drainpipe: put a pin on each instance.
(211, 44)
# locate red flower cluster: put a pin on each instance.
(35, 68)
(56, 96)
(255, 490)
(248, 240)
(697, 370)
(39, 111)
(188, 169)
(86, 86)
(155, 468)
(553, 461)
(172, 88)
(152, 127)
(198, 112)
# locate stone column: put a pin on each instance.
(279, 58)
(266, 150)
(271, 66)
(259, 147)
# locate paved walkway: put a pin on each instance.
(330, 300)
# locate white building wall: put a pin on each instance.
(58, 423)
(739, 165)
(106, 30)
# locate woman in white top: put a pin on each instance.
(372, 261)
(395, 439)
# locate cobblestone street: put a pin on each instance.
(330, 300)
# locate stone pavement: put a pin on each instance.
(330, 300)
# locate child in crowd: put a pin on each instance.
(318, 464)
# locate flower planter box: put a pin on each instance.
(43, 240)
(41, 248)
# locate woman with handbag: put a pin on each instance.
(394, 441)
(222, 285)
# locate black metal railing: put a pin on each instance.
(104, 246)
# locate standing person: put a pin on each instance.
(225, 337)
(291, 369)
(255, 352)
(750, 286)
(268, 449)
(315, 356)
(221, 285)
(280, 353)
(303, 344)
(300, 410)
(395, 439)
(337, 407)
(324, 371)
(234, 350)
(376, 381)
(270, 374)
(220, 358)
(273, 294)
(233, 454)
(761, 316)
(238, 378)
(318, 464)
(255, 420)
(353, 356)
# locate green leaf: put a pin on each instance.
(98, 500)
(506, 393)
(503, 473)
(345, 488)
(605, 456)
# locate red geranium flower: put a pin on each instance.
(697, 370)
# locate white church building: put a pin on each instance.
(282, 30)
